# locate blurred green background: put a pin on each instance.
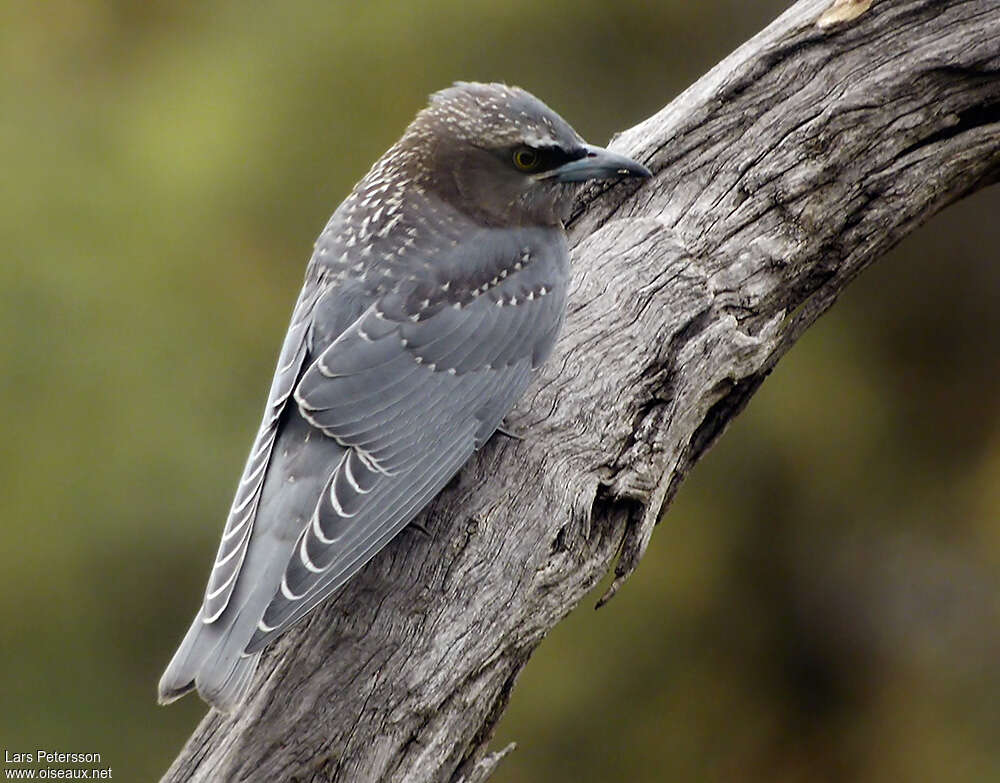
(821, 603)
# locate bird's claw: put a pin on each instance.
(509, 432)
(418, 527)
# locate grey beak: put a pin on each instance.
(599, 163)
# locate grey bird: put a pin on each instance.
(434, 293)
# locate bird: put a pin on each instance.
(433, 295)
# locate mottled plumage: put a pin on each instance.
(435, 290)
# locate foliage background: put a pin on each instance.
(821, 604)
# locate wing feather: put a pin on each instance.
(435, 339)
(239, 524)
(398, 506)
(410, 390)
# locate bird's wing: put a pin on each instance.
(412, 388)
(239, 524)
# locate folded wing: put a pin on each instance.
(240, 522)
(411, 389)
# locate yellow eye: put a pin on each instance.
(526, 159)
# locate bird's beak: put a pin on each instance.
(598, 163)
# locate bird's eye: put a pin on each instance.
(526, 159)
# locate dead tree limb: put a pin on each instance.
(779, 176)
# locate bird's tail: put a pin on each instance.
(212, 660)
(212, 657)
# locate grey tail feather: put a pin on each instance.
(179, 676)
(225, 686)
(208, 659)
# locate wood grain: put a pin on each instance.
(779, 176)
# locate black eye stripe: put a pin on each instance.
(548, 156)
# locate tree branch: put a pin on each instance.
(779, 176)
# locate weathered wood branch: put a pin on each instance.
(780, 175)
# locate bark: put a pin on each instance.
(796, 162)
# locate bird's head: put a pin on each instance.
(504, 157)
